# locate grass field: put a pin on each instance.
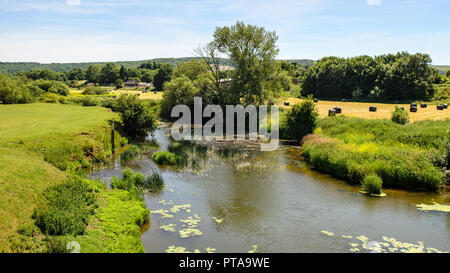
(384, 111)
(144, 96)
(23, 172)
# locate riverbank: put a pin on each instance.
(46, 146)
(411, 157)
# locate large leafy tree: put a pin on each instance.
(253, 50)
(163, 75)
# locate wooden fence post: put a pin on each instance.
(112, 136)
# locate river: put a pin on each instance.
(272, 202)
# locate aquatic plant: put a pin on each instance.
(166, 158)
(137, 181)
(133, 152)
(372, 184)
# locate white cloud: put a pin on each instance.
(373, 2)
(74, 2)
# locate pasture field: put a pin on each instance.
(144, 96)
(23, 172)
(384, 110)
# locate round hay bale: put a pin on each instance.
(155, 92)
(316, 100)
(338, 110)
(344, 100)
(440, 107)
(423, 105)
(286, 103)
(372, 108)
(413, 105)
(331, 113)
(445, 106)
(402, 108)
(413, 109)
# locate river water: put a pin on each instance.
(272, 202)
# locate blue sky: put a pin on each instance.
(114, 30)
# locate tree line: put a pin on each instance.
(400, 76)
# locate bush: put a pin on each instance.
(66, 209)
(88, 101)
(372, 184)
(13, 90)
(400, 116)
(137, 118)
(299, 121)
(56, 87)
(165, 158)
(94, 90)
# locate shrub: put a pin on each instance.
(400, 116)
(66, 208)
(88, 101)
(56, 87)
(14, 90)
(300, 120)
(94, 90)
(137, 118)
(165, 158)
(372, 184)
(154, 182)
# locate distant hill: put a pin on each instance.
(13, 68)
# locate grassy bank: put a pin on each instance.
(40, 146)
(412, 157)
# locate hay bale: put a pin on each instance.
(344, 100)
(316, 100)
(338, 110)
(372, 108)
(413, 105)
(440, 107)
(331, 113)
(402, 108)
(423, 105)
(445, 106)
(286, 103)
(155, 92)
(413, 109)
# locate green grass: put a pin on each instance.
(28, 134)
(413, 156)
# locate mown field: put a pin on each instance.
(25, 132)
(361, 109)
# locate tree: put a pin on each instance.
(76, 74)
(118, 84)
(123, 73)
(300, 121)
(93, 73)
(163, 75)
(109, 73)
(180, 90)
(137, 119)
(253, 50)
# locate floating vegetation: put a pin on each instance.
(388, 245)
(176, 249)
(163, 202)
(434, 207)
(218, 221)
(330, 234)
(164, 213)
(255, 248)
(210, 250)
(191, 223)
(177, 208)
(169, 227)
